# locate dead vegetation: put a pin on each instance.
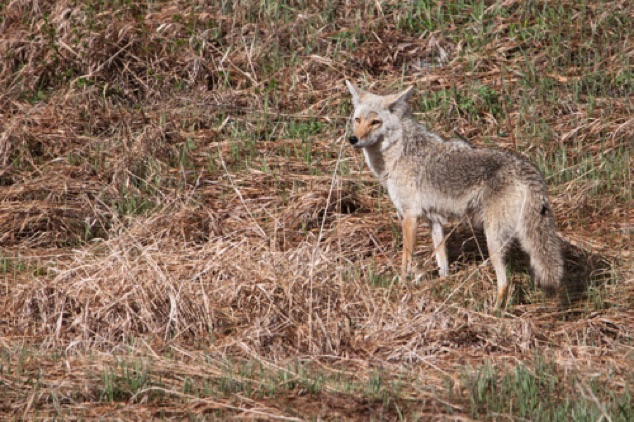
(175, 191)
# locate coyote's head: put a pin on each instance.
(377, 118)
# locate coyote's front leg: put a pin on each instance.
(409, 240)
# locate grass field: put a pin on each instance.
(184, 233)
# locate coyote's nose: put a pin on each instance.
(353, 140)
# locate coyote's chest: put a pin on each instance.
(375, 162)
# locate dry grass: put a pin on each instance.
(183, 232)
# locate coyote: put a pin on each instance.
(440, 180)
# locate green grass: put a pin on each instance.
(11, 265)
(538, 389)
(131, 379)
(125, 381)
(542, 392)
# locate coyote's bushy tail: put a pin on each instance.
(540, 240)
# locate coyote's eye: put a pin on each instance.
(376, 122)
(357, 120)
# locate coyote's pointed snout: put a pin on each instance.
(353, 140)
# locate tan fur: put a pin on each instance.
(440, 180)
(364, 125)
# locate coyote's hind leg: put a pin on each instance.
(498, 245)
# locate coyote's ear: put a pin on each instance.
(399, 100)
(355, 91)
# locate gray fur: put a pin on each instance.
(427, 176)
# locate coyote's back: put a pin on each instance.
(427, 176)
